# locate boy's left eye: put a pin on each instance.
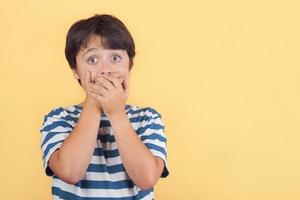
(115, 58)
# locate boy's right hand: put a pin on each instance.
(87, 81)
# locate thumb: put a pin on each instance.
(86, 79)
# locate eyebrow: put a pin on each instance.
(90, 49)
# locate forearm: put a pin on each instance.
(139, 162)
(77, 150)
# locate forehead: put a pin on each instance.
(93, 41)
(96, 41)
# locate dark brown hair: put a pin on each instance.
(113, 33)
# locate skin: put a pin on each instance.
(104, 75)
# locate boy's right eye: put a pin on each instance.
(92, 60)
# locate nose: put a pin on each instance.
(105, 69)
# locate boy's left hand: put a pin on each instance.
(112, 91)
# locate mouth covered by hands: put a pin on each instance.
(111, 91)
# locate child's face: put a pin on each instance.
(94, 58)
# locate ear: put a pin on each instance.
(75, 74)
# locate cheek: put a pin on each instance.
(80, 71)
(83, 72)
(124, 65)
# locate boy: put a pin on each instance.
(103, 148)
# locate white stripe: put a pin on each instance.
(58, 129)
(150, 131)
(105, 176)
(142, 114)
(107, 162)
(155, 142)
(137, 125)
(156, 121)
(55, 138)
(50, 120)
(83, 192)
(54, 197)
(71, 108)
(107, 145)
(158, 153)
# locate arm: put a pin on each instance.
(140, 164)
(72, 159)
(142, 167)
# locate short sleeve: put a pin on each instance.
(154, 137)
(54, 131)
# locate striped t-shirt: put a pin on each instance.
(106, 177)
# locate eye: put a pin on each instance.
(92, 60)
(116, 58)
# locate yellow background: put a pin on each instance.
(224, 75)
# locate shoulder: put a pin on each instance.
(144, 117)
(68, 114)
(139, 111)
(146, 121)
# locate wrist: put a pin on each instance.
(92, 103)
(118, 117)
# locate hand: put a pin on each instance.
(86, 83)
(112, 92)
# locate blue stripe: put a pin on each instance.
(75, 112)
(84, 184)
(69, 118)
(50, 135)
(106, 138)
(165, 172)
(67, 195)
(153, 111)
(139, 118)
(56, 124)
(55, 111)
(143, 118)
(49, 147)
(146, 109)
(106, 153)
(155, 147)
(154, 136)
(137, 111)
(154, 126)
(104, 123)
(143, 193)
(104, 168)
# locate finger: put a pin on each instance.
(97, 96)
(85, 79)
(90, 77)
(99, 80)
(119, 74)
(104, 82)
(123, 79)
(99, 89)
(114, 80)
